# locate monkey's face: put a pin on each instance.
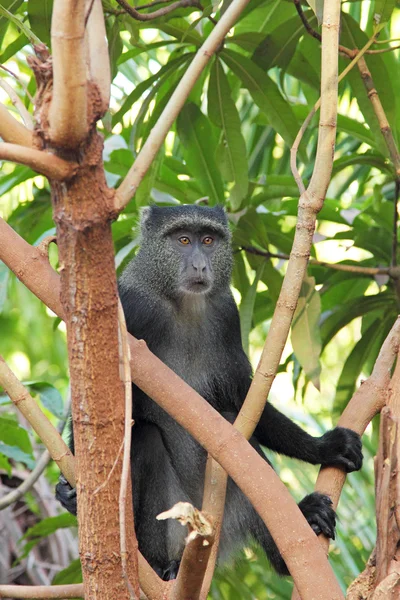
(196, 252)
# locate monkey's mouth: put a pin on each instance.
(197, 286)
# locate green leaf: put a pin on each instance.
(4, 277)
(39, 12)
(50, 525)
(195, 132)
(13, 6)
(266, 95)
(15, 442)
(383, 10)
(49, 396)
(143, 193)
(305, 336)
(45, 528)
(279, 46)
(318, 9)
(5, 464)
(367, 158)
(141, 88)
(16, 454)
(71, 574)
(336, 320)
(231, 152)
(247, 307)
(353, 366)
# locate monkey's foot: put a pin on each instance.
(317, 509)
(171, 571)
(66, 494)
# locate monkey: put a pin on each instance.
(176, 296)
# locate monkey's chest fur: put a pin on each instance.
(196, 350)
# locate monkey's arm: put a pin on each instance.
(338, 447)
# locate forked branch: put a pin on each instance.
(42, 162)
(13, 131)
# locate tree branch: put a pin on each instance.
(157, 135)
(124, 357)
(42, 162)
(72, 590)
(197, 550)
(393, 272)
(291, 532)
(13, 131)
(27, 484)
(68, 109)
(49, 435)
(98, 60)
(157, 13)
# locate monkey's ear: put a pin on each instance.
(145, 214)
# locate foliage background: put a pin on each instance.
(230, 144)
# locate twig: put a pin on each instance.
(68, 120)
(392, 272)
(72, 590)
(27, 484)
(133, 12)
(125, 371)
(58, 449)
(13, 131)
(157, 135)
(303, 128)
(42, 162)
(197, 550)
(19, 105)
(383, 50)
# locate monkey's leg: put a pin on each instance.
(156, 488)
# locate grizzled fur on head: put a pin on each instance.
(157, 264)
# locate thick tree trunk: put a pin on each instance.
(83, 214)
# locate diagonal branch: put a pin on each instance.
(13, 131)
(42, 162)
(68, 109)
(157, 135)
(49, 435)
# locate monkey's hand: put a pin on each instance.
(66, 495)
(317, 509)
(341, 447)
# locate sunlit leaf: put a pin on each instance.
(305, 335)
(231, 152)
(197, 137)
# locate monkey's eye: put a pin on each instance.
(208, 240)
(184, 240)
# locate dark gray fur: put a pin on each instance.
(179, 301)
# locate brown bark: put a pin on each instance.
(89, 297)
